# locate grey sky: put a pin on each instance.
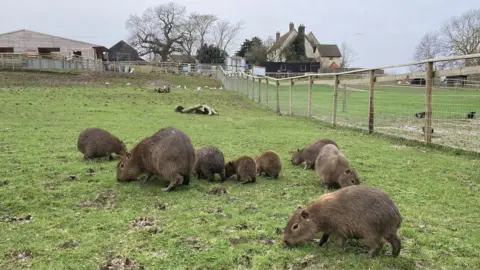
(391, 29)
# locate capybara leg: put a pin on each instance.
(254, 179)
(246, 179)
(275, 175)
(209, 175)
(259, 171)
(223, 177)
(305, 166)
(343, 242)
(324, 239)
(199, 175)
(108, 157)
(376, 245)
(173, 183)
(186, 180)
(396, 243)
(147, 178)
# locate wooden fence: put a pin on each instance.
(314, 89)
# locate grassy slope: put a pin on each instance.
(437, 193)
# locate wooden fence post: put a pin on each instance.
(428, 102)
(266, 96)
(371, 112)
(278, 97)
(246, 85)
(291, 96)
(344, 107)
(259, 89)
(310, 96)
(335, 100)
(253, 88)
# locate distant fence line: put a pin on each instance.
(383, 102)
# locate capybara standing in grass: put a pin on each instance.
(244, 167)
(309, 153)
(210, 161)
(354, 212)
(168, 153)
(96, 143)
(333, 169)
(269, 163)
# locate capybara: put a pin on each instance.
(210, 161)
(309, 153)
(96, 143)
(333, 168)
(354, 212)
(269, 163)
(244, 167)
(168, 153)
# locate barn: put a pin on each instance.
(36, 43)
(122, 51)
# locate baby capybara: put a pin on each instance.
(96, 143)
(269, 163)
(309, 153)
(333, 168)
(244, 167)
(210, 161)
(168, 153)
(354, 212)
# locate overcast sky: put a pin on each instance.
(389, 29)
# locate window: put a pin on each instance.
(330, 58)
(303, 67)
(6, 49)
(283, 67)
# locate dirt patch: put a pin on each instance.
(238, 240)
(302, 263)
(195, 242)
(162, 206)
(69, 244)
(266, 240)
(21, 255)
(244, 226)
(90, 171)
(18, 219)
(70, 178)
(120, 262)
(104, 199)
(147, 223)
(217, 191)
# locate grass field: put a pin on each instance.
(394, 109)
(43, 175)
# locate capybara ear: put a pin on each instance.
(128, 154)
(348, 171)
(304, 214)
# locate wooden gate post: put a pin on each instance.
(266, 96)
(335, 100)
(370, 102)
(428, 102)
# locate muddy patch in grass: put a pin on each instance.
(147, 223)
(265, 240)
(104, 199)
(21, 255)
(18, 219)
(218, 211)
(195, 242)
(68, 244)
(302, 263)
(217, 191)
(120, 262)
(238, 240)
(162, 206)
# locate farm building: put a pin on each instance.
(35, 43)
(235, 64)
(122, 51)
(327, 54)
(291, 66)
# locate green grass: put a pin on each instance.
(436, 192)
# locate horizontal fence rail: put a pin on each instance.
(434, 106)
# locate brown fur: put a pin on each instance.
(244, 167)
(354, 212)
(96, 142)
(210, 161)
(168, 153)
(309, 153)
(333, 169)
(269, 163)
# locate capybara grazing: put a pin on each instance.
(210, 161)
(244, 167)
(168, 153)
(354, 212)
(309, 153)
(333, 168)
(96, 143)
(269, 163)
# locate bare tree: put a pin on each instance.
(430, 46)
(203, 25)
(268, 43)
(224, 33)
(462, 35)
(348, 55)
(159, 30)
(190, 39)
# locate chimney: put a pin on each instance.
(292, 26)
(277, 38)
(301, 29)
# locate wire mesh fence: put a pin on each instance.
(436, 107)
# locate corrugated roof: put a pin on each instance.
(328, 50)
(26, 30)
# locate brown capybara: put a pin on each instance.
(96, 143)
(210, 161)
(244, 167)
(309, 153)
(333, 168)
(168, 153)
(354, 212)
(269, 163)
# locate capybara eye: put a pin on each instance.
(295, 226)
